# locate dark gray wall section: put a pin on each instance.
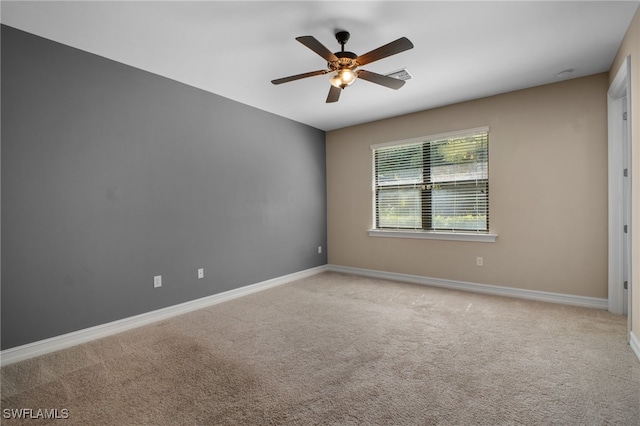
(111, 175)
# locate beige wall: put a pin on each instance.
(631, 47)
(548, 192)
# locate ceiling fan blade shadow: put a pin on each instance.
(313, 44)
(383, 80)
(334, 94)
(397, 46)
(298, 76)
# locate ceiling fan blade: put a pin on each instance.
(390, 82)
(334, 94)
(317, 47)
(397, 46)
(298, 76)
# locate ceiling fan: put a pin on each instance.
(342, 65)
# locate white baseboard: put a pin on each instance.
(634, 342)
(56, 343)
(543, 296)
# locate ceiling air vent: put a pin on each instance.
(402, 74)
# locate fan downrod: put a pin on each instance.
(345, 59)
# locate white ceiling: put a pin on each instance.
(463, 50)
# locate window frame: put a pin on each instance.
(451, 235)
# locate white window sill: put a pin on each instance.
(434, 235)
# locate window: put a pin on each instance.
(433, 184)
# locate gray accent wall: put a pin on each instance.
(112, 175)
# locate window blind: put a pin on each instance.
(433, 184)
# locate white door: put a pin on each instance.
(626, 210)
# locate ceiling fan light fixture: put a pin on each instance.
(342, 66)
(342, 78)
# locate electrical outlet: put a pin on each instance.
(479, 261)
(157, 281)
(319, 249)
(200, 273)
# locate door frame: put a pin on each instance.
(619, 100)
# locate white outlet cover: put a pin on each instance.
(157, 281)
(200, 273)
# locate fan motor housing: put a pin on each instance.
(345, 60)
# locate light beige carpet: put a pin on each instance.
(335, 349)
